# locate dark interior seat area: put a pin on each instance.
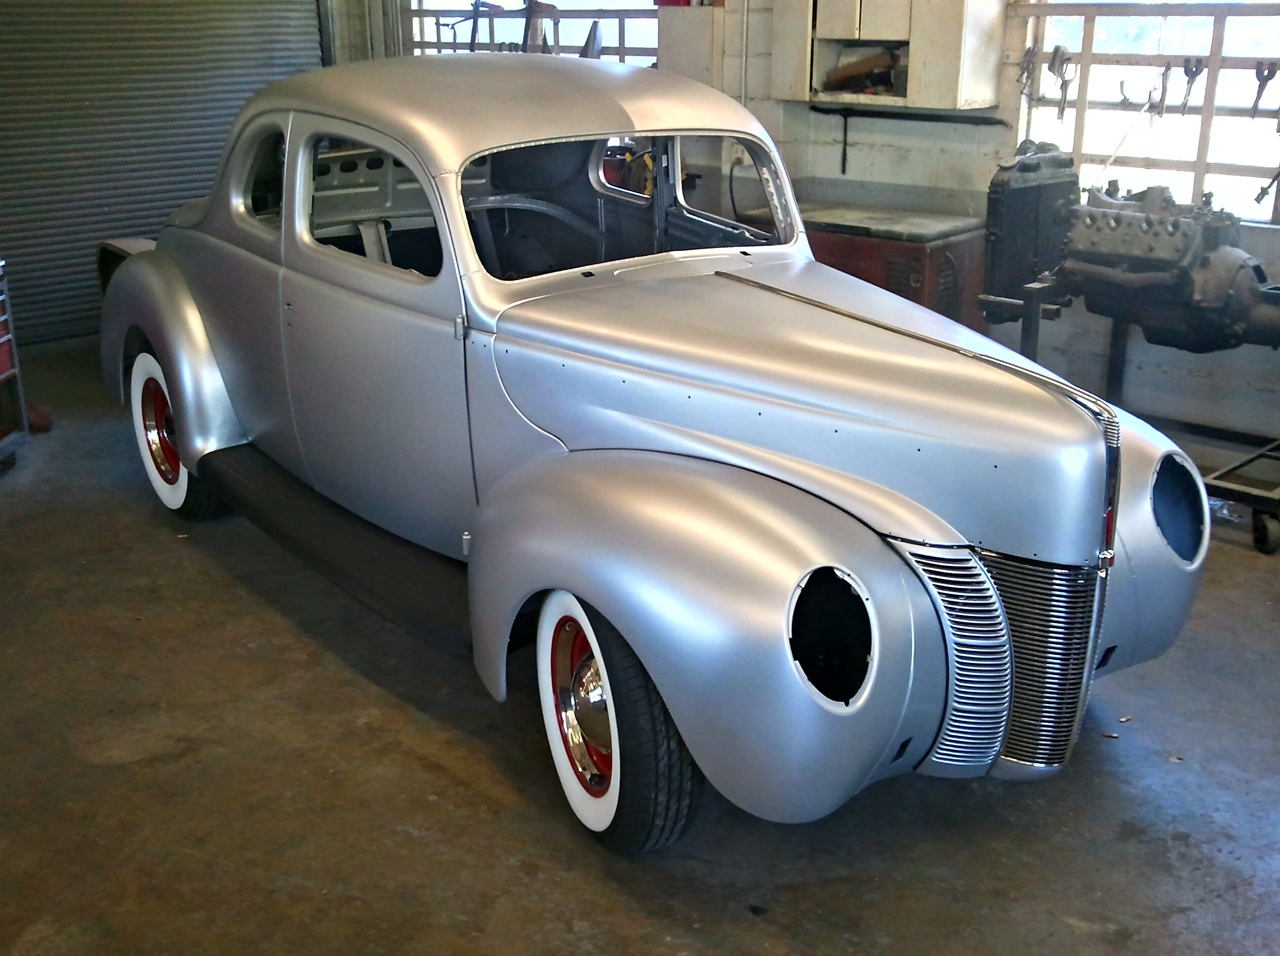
(416, 249)
(350, 243)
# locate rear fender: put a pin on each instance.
(147, 305)
(697, 563)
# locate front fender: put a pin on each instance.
(147, 293)
(696, 563)
(1151, 589)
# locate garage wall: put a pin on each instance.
(113, 114)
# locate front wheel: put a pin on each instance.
(621, 761)
(189, 495)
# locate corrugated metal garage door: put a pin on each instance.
(112, 114)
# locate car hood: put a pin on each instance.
(916, 434)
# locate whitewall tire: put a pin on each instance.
(156, 434)
(585, 758)
(620, 760)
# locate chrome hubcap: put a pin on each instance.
(157, 424)
(582, 706)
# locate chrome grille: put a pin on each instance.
(980, 682)
(1050, 611)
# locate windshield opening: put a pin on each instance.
(556, 206)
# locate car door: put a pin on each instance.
(372, 333)
(232, 264)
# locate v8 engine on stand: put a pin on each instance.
(1175, 271)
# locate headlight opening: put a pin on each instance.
(1178, 507)
(832, 634)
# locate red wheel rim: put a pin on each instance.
(582, 707)
(157, 424)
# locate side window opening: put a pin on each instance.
(719, 177)
(627, 164)
(265, 182)
(367, 203)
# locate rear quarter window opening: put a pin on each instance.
(264, 184)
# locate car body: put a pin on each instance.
(844, 537)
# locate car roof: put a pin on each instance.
(455, 106)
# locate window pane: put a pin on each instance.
(1175, 36)
(1236, 194)
(1126, 35)
(1064, 31)
(1252, 36)
(1248, 142)
(365, 202)
(1172, 136)
(1139, 81)
(1238, 88)
(1187, 36)
(1046, 128)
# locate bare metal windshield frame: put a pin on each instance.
(764, 160)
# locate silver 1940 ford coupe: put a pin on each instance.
(764, 522)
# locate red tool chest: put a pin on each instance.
(933, 259)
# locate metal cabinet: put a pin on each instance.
(948, 50)
(854, 19)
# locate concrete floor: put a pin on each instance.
(206, 748)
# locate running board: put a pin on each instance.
(422, 591)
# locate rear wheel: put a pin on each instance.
(189, 495)
(621, 762)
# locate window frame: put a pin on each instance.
(595, 169)
(692, 210)
(791, 229)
